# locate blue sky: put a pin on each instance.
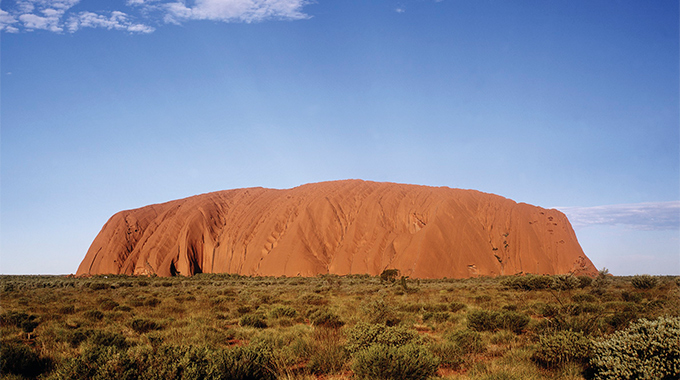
(112, 105)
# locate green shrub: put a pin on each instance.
(645, 350)
(327, 319)
(527, 282)
(27, 322)
(565, 282)
(244, 363)
(436, 316)
(68, 309)
(449, 354)
(328, 355)
(380, 311)
(636, 297)
(389, 275)
(621, 319)
(93, 315)
(142, 325)
(457, 306)
(469, 342)
(75, 337)
(486, 320)
(108, 304)
(585, 281)
(644, 281)
(108, 338)
(283, 311)
(99, 286)
(97, 363)
(560, 348)
(583, 297)
(18, 359)
(363, 335)
(152, 302)
(312, 299)
(548, 310)
(253, 320)
(175, 362)
(389, 362)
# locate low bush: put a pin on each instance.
(435, 316)
(486, 320)
(283, 311)
(180, 362)
(253, 320)
(528, 282)
(583, 297)
(565, 282)
(328, 355)
(27, 322)
(244, 363)
(584, 281)
(644, 281)
(456, 306)
(18, 359)
(380, 311)
(389, 362)
(560, 348)
(645, 350)
(99, 286)
(312, 299)
(75, 337)
(142, 325)
(93, 315)
(152, 302)
(68, 309)
(449, 354)
(363, 335)
(326, 319)
(108, 304)
(469, 342)
(108, 338)
(97, 362)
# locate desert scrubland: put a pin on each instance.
(220, 326)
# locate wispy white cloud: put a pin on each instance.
(639, 216)
(139, 16)
(7, 22)
(115, 20)
(237, 10)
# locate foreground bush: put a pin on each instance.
(487, 320)
(645, 350)
(385, 363)
(560, 348)
(244, 363)
(168, 362)
(469, 342)
(19, 359)
(364, 335)
(644, 281)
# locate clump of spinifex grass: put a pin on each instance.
(335, 327)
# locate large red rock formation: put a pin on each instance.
(342, 227)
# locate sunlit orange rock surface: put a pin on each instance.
(341, 227)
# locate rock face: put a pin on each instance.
(341, 227)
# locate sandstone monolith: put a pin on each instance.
(339, 227)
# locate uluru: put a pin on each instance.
(338, 227)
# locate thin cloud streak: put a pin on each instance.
(638, 216)
(57, 15)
